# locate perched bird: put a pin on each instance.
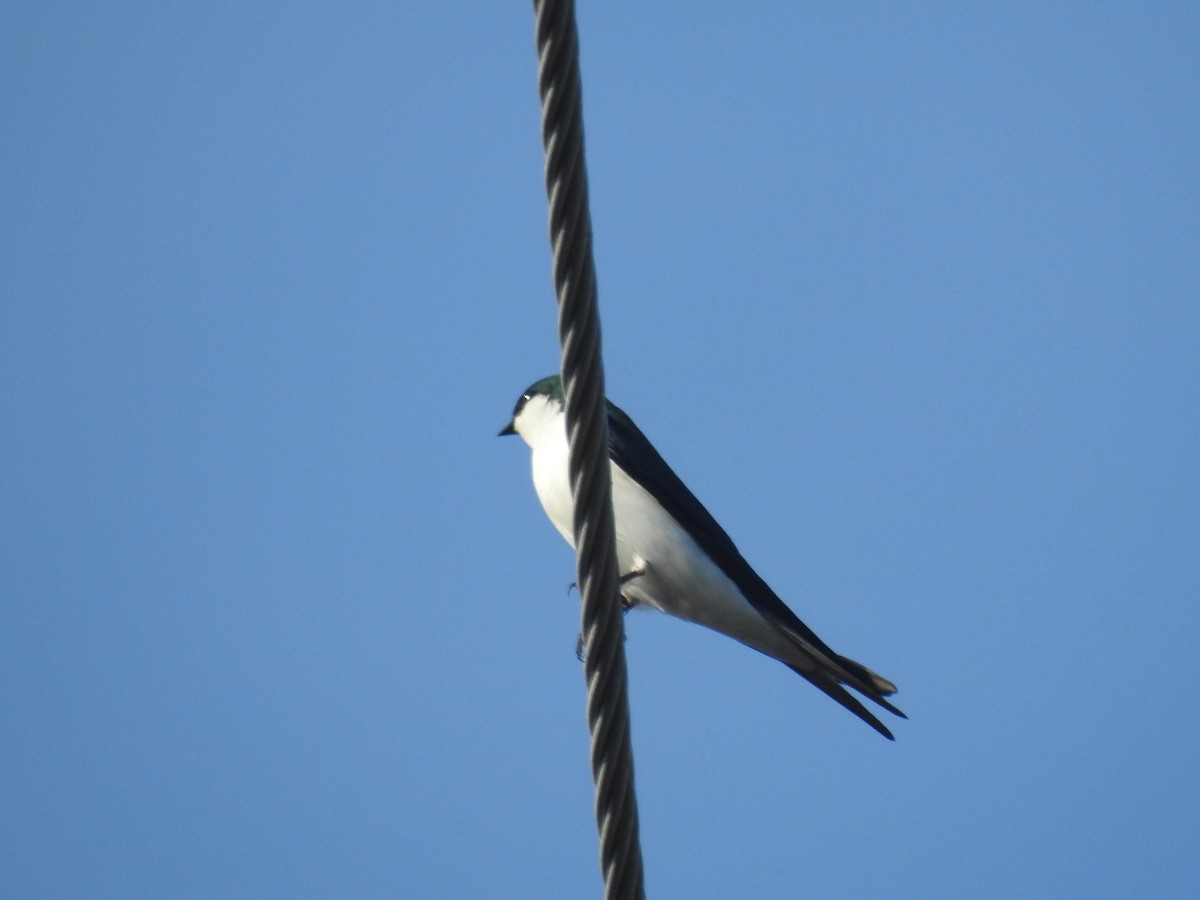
(674, 556)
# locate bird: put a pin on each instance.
(675, 558)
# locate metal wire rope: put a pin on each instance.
(587, 431)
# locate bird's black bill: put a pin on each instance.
(507, 429)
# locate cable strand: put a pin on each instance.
(587, 431)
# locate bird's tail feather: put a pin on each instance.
(829, 671)
(829, 685)
(881, 684)
(834, 671)
(871, 685)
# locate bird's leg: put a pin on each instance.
(638, 570)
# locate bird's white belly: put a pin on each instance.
(679, 578)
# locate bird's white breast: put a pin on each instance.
(551, 480)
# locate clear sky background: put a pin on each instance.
(909, 294)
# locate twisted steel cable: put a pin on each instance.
(587, 432)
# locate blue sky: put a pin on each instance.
(907, 293)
